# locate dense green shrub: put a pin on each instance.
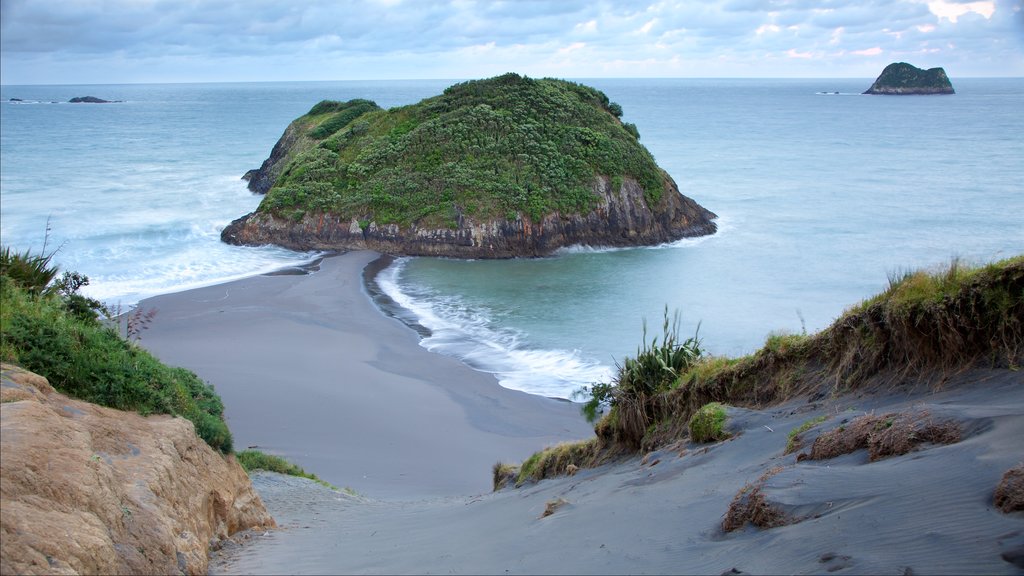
(708, 423)
(496, 148)
(342, 113)
(656, 367)
(57, 334)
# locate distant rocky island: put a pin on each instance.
(900, 78)
(503, 167)
(90, 100)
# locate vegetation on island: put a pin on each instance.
(498, 148)
(903, 78)
(48, 327)
(925, 326)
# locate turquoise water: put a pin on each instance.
(819, 198)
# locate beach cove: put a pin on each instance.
(311, 370)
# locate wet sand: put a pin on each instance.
(309, 369)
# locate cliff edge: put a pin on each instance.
(88, 489)
(497, 168)
(900, 78)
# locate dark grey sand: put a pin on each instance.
(309, 369)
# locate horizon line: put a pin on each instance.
(5, 85)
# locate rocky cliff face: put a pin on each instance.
(622, 218)
(87, 489)
(901, 78)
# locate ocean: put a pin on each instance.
(821, 194)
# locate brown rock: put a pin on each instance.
(622, 217)
(88, 489)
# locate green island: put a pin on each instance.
(900, 78)
(502, 167)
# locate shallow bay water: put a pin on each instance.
(820, 198)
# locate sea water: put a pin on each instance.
(821, 194)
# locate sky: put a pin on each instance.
(141, 41)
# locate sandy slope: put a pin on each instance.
(319, 346)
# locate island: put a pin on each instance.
(900, 78)
(90, 100)
(503, 167)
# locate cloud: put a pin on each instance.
(953, 10)
(192, 40)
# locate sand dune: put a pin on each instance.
(310, 370)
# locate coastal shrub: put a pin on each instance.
(61, 338)
(654, 370)
(708, 423)
(252, 460)
(342, 113)
(31, 272)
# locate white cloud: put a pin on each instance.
(87, 41)
(875, 51)
(953, 10)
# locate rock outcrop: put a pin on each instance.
(90, 100)
(622, 218)
(497, 168)
(900, 78)
(88, 489)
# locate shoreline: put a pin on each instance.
(311, 369)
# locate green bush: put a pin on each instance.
(57, 334)
(708, 423)
(655, 369)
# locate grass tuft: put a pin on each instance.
(252, 460)
(708, 423)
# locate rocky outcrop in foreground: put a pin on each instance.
(900, 78)
(622, 218)
(91, 490)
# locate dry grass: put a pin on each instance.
(751, 506)
(1009, 496)
(552, 506)
(563, 459)
(891, 434)
(503, 475)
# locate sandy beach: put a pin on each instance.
(309, 369)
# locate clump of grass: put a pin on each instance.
(793, 438)
(552, 506)
(560, 459)
(708, 423)
(751, 506)
(503, 475)
(257, 460)
(1009, 494)
(892, 434)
